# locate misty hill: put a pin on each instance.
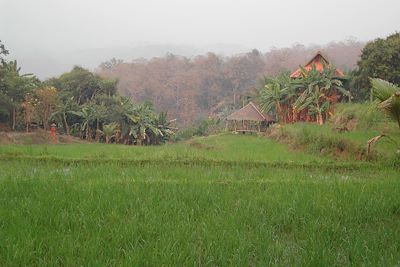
(194, 87)
(48, 64)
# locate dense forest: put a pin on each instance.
(199, 87)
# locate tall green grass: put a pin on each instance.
(220, 147)
(113, 214)
(215, 201)
(367, 116)
(362, 121)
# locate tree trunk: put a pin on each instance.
(14, 119)
(97, 131)
(88, 137)
(66, 124)
(279, 111)
(139, 141)
(107, 139)
(320, 119)
(126, 142)
(117, 136)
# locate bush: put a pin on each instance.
(316, 139)
(202, 127)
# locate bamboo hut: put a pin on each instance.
(249, 119)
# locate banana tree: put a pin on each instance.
(109, 131)
(315, 100)
(317, 92)
(86, 114)
(275, 94)
(64, 110)
(165, 129)
(142, 122)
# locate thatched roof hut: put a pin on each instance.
(250, 119)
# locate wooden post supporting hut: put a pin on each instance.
(249, 119)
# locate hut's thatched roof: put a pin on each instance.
(319, 61)
(250, 112)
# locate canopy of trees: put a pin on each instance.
(379, 59)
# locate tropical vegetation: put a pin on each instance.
(388, 95)
(379, 59)
(81, 103)
(311, 97)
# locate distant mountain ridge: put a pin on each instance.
(45, 65)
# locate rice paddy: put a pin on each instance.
(213, 201)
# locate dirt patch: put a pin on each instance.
(4, 127)
(201, 145)
(38, 136)
(349, 123)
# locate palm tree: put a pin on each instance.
(389, 96)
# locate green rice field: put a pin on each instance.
(226, 200)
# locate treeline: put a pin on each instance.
(193, 88)
(81, 103)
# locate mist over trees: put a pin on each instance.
(192, 88)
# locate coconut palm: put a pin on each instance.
(389, 96)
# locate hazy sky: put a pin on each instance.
(74, 24)
(48, 37)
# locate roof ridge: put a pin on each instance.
(320, 54)
(255, 107)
